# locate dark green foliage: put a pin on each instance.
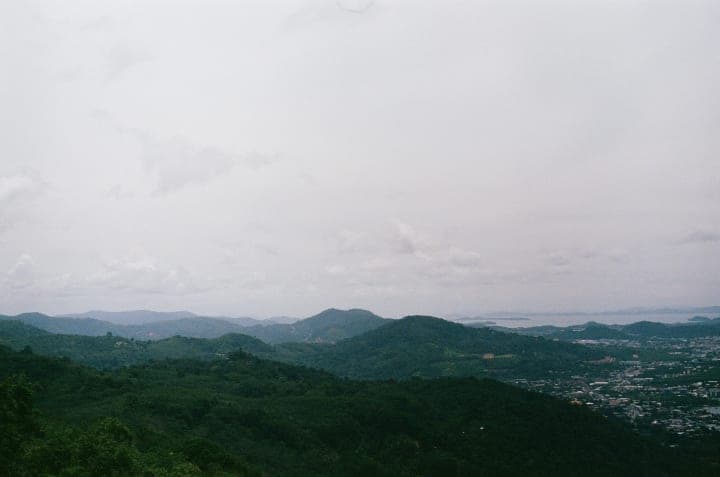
(243, 415)
(400, 349)
(423, 346)
(17, 420)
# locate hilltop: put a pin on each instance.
(423, 346)
(329, 326)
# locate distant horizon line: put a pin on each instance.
(451, 315)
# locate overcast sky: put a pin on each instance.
(281, 157)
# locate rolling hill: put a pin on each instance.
(143, 317)
(247, 416)
(108, 352)
(197, 327)
(642, 330)
(132, 317)
(329, 326)
(400, 349)
(422, 346)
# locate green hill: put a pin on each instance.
(412, 347)
(329, 326)
(422, 346)
(244, 415)
(109, 351)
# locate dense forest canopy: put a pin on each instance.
(243, 416)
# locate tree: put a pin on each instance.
(18, 424)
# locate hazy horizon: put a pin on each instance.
(278, 158)
(508, 319)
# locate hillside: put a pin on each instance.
(422, 346)
(329, 326)
(246, 416)
(191, 327)
(144, 317)
(400, 349)
(647, 329)
(73, 326)
(132, 317)
(106, 352)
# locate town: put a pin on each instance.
(669, 383)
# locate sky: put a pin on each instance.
(281, 157)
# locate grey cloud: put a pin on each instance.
(406, 240)
(120, 58)
(177, 163)
(236, 254)
(701, 236)
(119, 192)
(619, 255)
(16, 191)
(144, 275)
(355, 6)
(22, 274)
(16, 186)
(465, 259)
(558, 260)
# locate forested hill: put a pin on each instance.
(246, 416)
(107, 351)
(423, 346)
(328, 326)
(400, 349)
(132, 317)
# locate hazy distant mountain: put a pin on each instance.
(283, 320)
(71, 326)
(245, 320)
(132, 317)
(116, 351)
(327, 327)
(425, 346)
(713, 310)
(190, 327)
(693, 329)
(640, 330)
(142, 317)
